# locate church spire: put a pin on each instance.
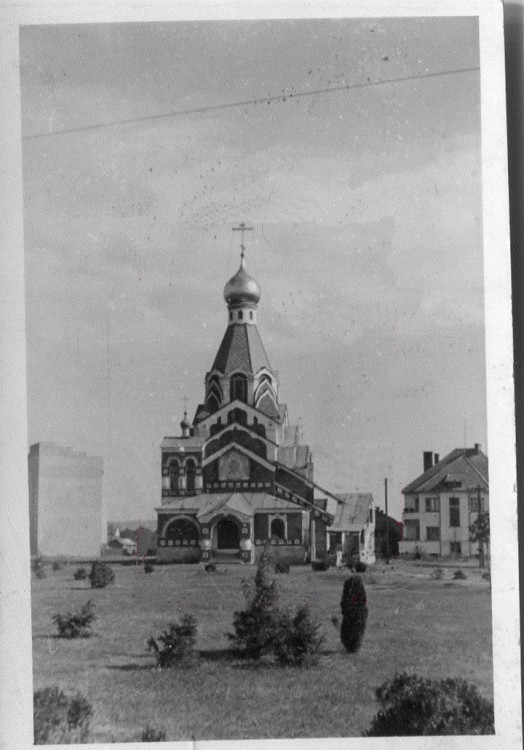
(242, 293)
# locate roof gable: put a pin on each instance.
(468, 466)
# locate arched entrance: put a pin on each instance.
(227, 534)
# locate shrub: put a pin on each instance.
(101, 575)
(56, 566)
(150, 734)
(175, 646)
(413, 705)
(297, 639)
(80, 574)
(148, 568)
(459, 575)
(437, 574)
(59, 719)
(360, 567)
(210, 567)
(320, 565)
(76, 624)
(255, 627)
(354, 614)
(282, 566)
(37, 566)
(486, 576)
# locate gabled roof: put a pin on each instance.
(467, 466)
(241, 349)
(352, 511)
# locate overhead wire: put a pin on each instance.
(247, 102)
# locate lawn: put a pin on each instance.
(434, 628)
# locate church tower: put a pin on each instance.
(238, 477)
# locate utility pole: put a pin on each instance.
(387, 519)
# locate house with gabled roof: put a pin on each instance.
(239, 478)
(443, 502)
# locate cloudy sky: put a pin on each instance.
(366, 204)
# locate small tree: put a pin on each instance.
(413, 705)
(479, 532)
(59, 719)
(298, 639)
(150, 734)
(76, 624)
(101, 575)
(256, 626)
(354, 614)
(80, 574)
(176, 645)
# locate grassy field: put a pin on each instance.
(435, 628)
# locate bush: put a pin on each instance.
(56, 566)
(282, 566)
(255, 627)
(360, 567)
(354, 614)
(101, 575)
(413, 705)
(177, 644)
(148, 568)
(437, 574)
(150, 734)
(37, 566)
(80, 574)
(320, 565)
(59, 719)
(486, 576)
(297, 639)
(76, 624)
(459, 575)
(210, 567)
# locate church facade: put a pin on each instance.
(238, 478)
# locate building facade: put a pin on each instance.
(238, 477)
(65, 502)
(443, 502)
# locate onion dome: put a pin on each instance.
(185, 425)
(241, 288)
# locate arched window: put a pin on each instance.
(278, 529)
(182, 532)
(174, 471)
(238, 387)
(190, 476)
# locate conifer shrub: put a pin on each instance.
(360, 567)
(150, 734)
(413, 705)
(256, 626)
(459, 575)
(101, 575)
(298, 639)
(56, 566)
(354, 614)
(320, 565)
(80, 574)
(176, 645)
(282, 566)
(59, 719)
(210, 567)
(76, 624)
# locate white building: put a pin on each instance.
(442, 503)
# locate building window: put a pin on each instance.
(231, 316)
(473, 504)
(433, 534)
(240, 315)
(432, 504)
(173, 477)
(454, 511)
(362, 537)
(190, 476)
(412, 505)
(238, 388)
(412, 531)
(455, 548)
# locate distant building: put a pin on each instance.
(238, 477)
(65, 501)
(441, 504)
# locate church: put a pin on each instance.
(237, 478)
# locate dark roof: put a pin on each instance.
(467, 466)
(241, 349)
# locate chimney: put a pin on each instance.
(477, 447)
(437, 459)
(428, 460)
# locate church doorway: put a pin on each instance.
(228, 534)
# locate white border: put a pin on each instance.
(15, 619)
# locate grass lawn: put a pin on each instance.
(434, 628)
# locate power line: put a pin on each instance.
(247, 102)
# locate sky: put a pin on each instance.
(367, 241)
